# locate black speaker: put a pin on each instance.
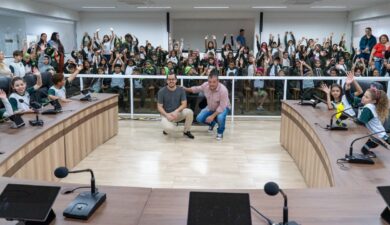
(261, 22)
(168, 23)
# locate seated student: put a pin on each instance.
(20, 98)
(172, 105)
(259, 92)
(73, 86)
(17, 68)
(58, 91)
(338, 101)
(7, 111)
(117, 85)
(374, 112)
(44, 63)
(138, 87)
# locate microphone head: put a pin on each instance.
(271, 188)
(21, 100)
(61, 172)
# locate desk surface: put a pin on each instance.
(11, 140)
(336, 145)
(145, 206)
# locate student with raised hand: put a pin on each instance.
(290, 45)
(337, 100)
(106, 44)
(210, 46)
(20, 98)
(58, 90)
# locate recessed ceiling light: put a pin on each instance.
(211, 7)
(98, 7)
(154, 7)
(269, 7)
(328, 7)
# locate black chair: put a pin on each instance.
(5, 85)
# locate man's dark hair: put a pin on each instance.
(368, 28)
(241, 30)
(171, 73)
(57, 78)
(17, 53)
(213, 73)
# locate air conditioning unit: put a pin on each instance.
(136, 2)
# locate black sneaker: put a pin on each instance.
(368, 153)
(165, 133)
(188, 134)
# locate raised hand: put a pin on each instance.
(325, 88)
(350, 77)
(3, 95)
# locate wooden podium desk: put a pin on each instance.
(145, 206)
(64, 139)
(316, 150)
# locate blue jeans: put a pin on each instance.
(220, 119)
(378, 65)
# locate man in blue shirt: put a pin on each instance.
(367, 42)
(240, 38)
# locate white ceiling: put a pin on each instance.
(240, 5)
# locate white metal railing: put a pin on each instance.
(340, 80)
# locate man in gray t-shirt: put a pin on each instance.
(172, 105)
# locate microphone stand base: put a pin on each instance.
(35, 123)
(386, 215)
(359, 159)
(289, 223)
(84, 205)
(336, 128)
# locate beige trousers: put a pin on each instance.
(170, 126)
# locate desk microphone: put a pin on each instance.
(360, 158)
(35, 106)
(86, 203)
(331, 127)
(272, 189)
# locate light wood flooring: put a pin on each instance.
(141, 156)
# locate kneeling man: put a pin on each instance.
(172, 105)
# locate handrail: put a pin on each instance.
(340, 80)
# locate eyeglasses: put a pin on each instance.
(171, 79)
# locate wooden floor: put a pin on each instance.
(141, 156)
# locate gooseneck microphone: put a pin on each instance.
(360, 158)
(86, 203)
(62, 172)
(35, 106)
(272, 189)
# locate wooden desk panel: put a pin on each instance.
(306, 206)
(64, 140)
(315, 150)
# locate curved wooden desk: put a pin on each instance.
(316, 150)
(64, 140)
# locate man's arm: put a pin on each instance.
(161, 110)
(73, 75)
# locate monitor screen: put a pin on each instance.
(208, 208)
(27, 202)
(385, 192)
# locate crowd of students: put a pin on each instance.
(111, 54)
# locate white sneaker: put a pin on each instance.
(219, 137)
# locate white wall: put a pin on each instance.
(145, 26)
(11, 28)
(307, 24)
(369, 13)
(28, 6)
(194, 31)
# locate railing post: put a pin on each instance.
(233, 93)
(131, 99)
(285, 89)
(81, 84)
